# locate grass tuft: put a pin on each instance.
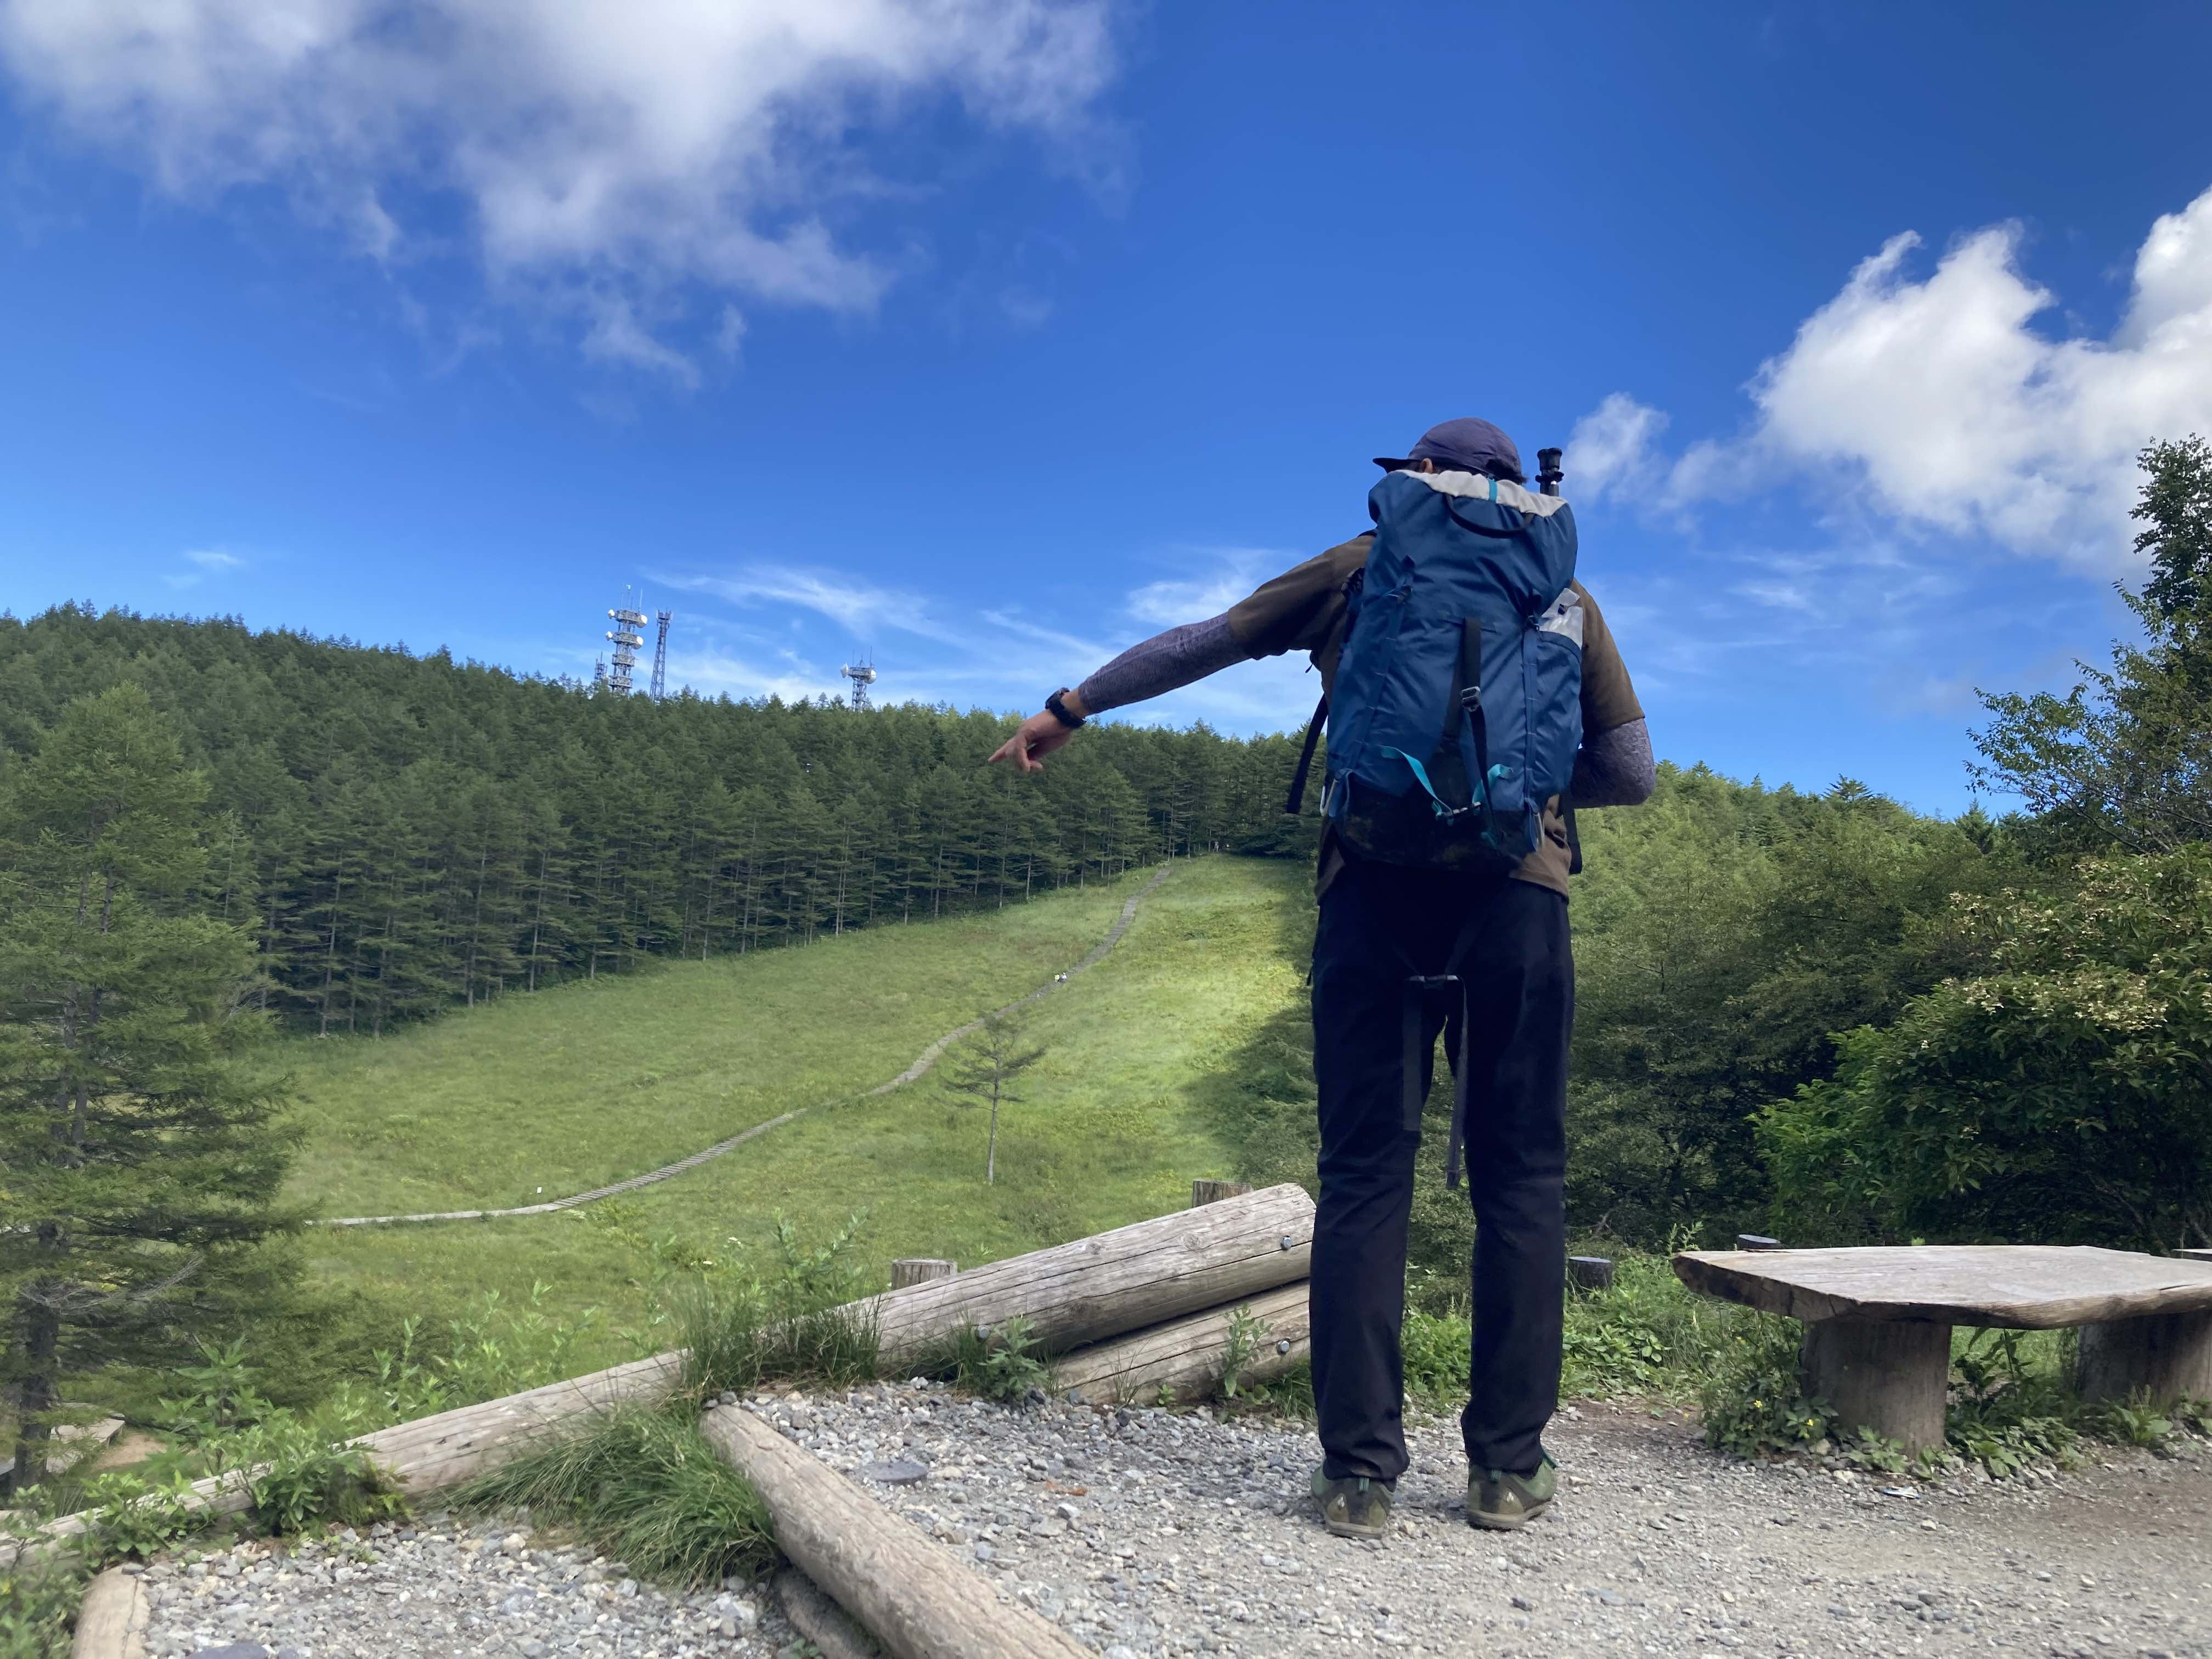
(644, 1487)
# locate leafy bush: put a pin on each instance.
(1248, 1335)
(1001, 1362)
(2055, 1094)
(1753, 1401)
(39, 1599)
(644, 1487)
(297, 1475)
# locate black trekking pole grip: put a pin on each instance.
(1548, 471)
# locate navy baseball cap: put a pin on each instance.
(1464, 445)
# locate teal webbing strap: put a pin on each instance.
(1421, 777)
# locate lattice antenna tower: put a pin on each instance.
(660, 657)
(626, 640)
(863, 675)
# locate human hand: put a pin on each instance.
(1037, 737)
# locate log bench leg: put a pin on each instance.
(1883, 1374)
(2167, 1356)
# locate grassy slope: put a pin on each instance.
(1107, 1132)
(590, 1083)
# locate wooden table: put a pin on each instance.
(1878, 1321)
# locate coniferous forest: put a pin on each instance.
(403, 833)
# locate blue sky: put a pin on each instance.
(989, 336)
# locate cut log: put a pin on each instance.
(1110, 1284)
(1884, 1375)
(2195, 1256)
(913, 1597)
(2166, 1357)
(1589, 1273)
(1184, 1359)
(1212, 1192)
(821, 1620)
(919, 1270)
(110, 1621)
(454, 1446)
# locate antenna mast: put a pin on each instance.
(660, 657)
(863, 675)
(627, 639)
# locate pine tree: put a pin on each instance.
(986, 1068)
(139, 1163)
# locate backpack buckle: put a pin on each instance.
(1470, 698)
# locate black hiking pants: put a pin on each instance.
(1377, 924)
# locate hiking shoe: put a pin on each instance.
(1353, 1506)
(1506, 1502)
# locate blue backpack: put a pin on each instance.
(1457, 706)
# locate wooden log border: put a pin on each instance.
(914, 1597)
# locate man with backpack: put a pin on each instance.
(1474, 697)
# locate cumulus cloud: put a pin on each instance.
(1615, 447)
(640, 145)
(1935, 400)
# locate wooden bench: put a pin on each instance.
(1878, 1321)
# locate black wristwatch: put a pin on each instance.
(1060, 711)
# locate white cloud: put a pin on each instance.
(636, 146)
(1235, 573)
(205, 561)
(1615, 447)
(1934, 401)
(859, 607)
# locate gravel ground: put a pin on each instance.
(1149, 1534)
(440, 1589)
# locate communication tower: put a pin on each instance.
(660, 657)
(863, 675)
(627, 639)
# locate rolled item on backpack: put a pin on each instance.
(1107, 1285)
(1185, 1359)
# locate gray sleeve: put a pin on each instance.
(1161, 664)
(1615, 768)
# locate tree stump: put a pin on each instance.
(1756, 1242)
(1889, 1376)
(1212, 1192)
(919, 1270)
(2167, 1356)
(1589, 1273)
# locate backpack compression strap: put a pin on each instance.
(1296, 799)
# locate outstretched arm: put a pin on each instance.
(1151, 668)
(1614, 767)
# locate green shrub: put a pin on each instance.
(2056, 1094)
(1248, 1336)
(39, 1599)
(1753, 1401)
(644, 1487)
(1001, 1362)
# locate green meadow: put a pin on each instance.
(589, 1084)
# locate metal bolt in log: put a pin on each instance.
(1589, 1273)
(1212, 1192)
(913, 1597)
(919, 1270)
